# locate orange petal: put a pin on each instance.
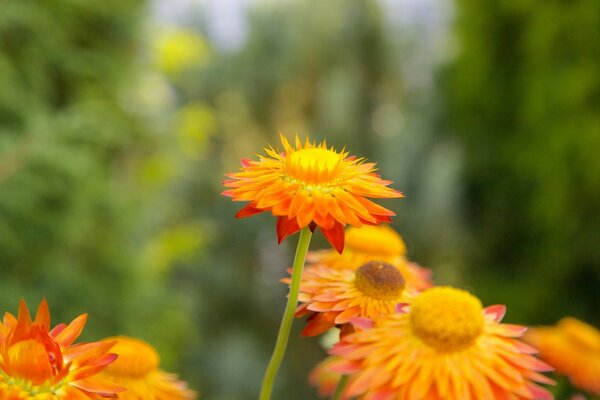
(316, 327)
(42, 317)
(68, 335)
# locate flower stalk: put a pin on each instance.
(288, 315)
(339, 389)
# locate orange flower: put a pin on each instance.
(368, 243)
(573, 348)
(39, 363)
(311, 185)
(445, 345)
(324, 377)
(137, 370)
(335, 296)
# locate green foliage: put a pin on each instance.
(523, 97)
(69, 154)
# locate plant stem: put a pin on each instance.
(288, 315)
(339, 389)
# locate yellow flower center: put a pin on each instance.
(314, 165)
(447, 319)
(379, 280)
(375, 240)
(136, 357)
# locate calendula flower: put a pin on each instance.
(334, 296)
(374, 242)
(444, 345)
(137, 370)
(311, 185)
(572, 347)
(37, 363)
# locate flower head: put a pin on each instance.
(312, 185)
(334, 296)
(572, 347)
(137, 370)
(39, 363)
(445, 345)
(379, 242)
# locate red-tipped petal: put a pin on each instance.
(335, 236)
(317, 326)
(496, 311)
(248, 211)
(286, 227)
(246, 162)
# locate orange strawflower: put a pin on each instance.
(444, 345)
(312, 185)
(572, 347)
(332, 296)
(43, 364)
(379, 242)
(137, 370)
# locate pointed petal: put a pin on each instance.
(285, 228)
(335, 236)
(68, 335)
(248, 211)
(42, 317)
(316, 327)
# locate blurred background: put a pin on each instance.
(118, 119)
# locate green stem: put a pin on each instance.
(288, 315)
(339, 389)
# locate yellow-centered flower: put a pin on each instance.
(444, 345)
(137, 369)
(374, 242)
(311, 185)
(331, 296)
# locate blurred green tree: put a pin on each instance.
(523, 97)
(70, 153)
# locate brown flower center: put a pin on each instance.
(379, 280)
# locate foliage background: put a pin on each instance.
(117, 124)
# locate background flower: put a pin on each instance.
(137, 369)
(572, 347)
(334, 296)
(374, 242)
(39, 363)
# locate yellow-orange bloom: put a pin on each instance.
(444, 345)
(137, 370)
(332, 296)
(572, 347)
(379, 242)
(312, 185)
(43, 364)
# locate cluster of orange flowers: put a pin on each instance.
(40, 363)
(401, 337)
